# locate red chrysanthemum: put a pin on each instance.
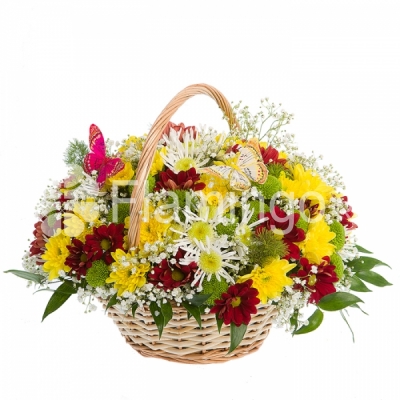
(179, 128)
(271, 156)
(38, 245)
(183, 180)
(279, 221)
(169, 276)
(104, 241)
(319, 278)
(346, 217)
(80, 258)
(237, 304)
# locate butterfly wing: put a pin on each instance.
(251, 163)
(96, 141)
(111, 167)
(221, 171)
(97, 156)
(239, 181)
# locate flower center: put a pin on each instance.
(210, 262)
(236, 301)
(177, 275)
(244, 235)
(184, 164)
(200, 231)
(105, 244)
(83, 258)
(312, 280)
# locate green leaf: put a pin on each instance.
(357, 306)
(314, 321)
(347, 322)
(158, 317)
(166, 310)
(59, 297)
(199, 299)
(358, 285)
(373, 278)
(134, 308)
(294, 321)
(27, 275)
(237, 333)
(362, 250)
(365, 263)
(337, 301)
(219, 322)
(111, 302)
(193, 310)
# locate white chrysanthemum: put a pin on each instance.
(244, 230)
(211, 259)
(183, 156)
(199, 228)
(90, 187)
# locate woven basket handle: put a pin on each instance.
(150, 146)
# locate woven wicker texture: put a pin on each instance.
(184, 342)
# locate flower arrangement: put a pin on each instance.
(228, 221)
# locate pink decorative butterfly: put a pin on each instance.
(97, 160)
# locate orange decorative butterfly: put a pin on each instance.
(250, 167)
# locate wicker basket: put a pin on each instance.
(184, 342)
(182, 339)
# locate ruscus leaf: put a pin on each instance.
(237, 334)
(358, 285)
(373, 278)
(58, 298)
(26, 275)
(365, 263)
(193, 310)
(166, 310)
(158, 317)
(337, 301)
(314, 321)
(363, 250)
(111, 302)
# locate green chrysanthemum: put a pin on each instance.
(340, 237)
(257, 206)
(266, 246)
(270, 187)
(97, 274)
(151, 182)
(214, 288)
(228, 229)
(123, 211)
(337, 261)
(276, 169)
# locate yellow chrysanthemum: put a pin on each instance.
(128, 274)
(158, 162)
(153, 228)
(132, 140)
(306, 183)
(215, 190)
(270, 279)
(76, 224)
(316, 244)
(55, 254)
(126, 174)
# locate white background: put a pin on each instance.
(66, 65)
